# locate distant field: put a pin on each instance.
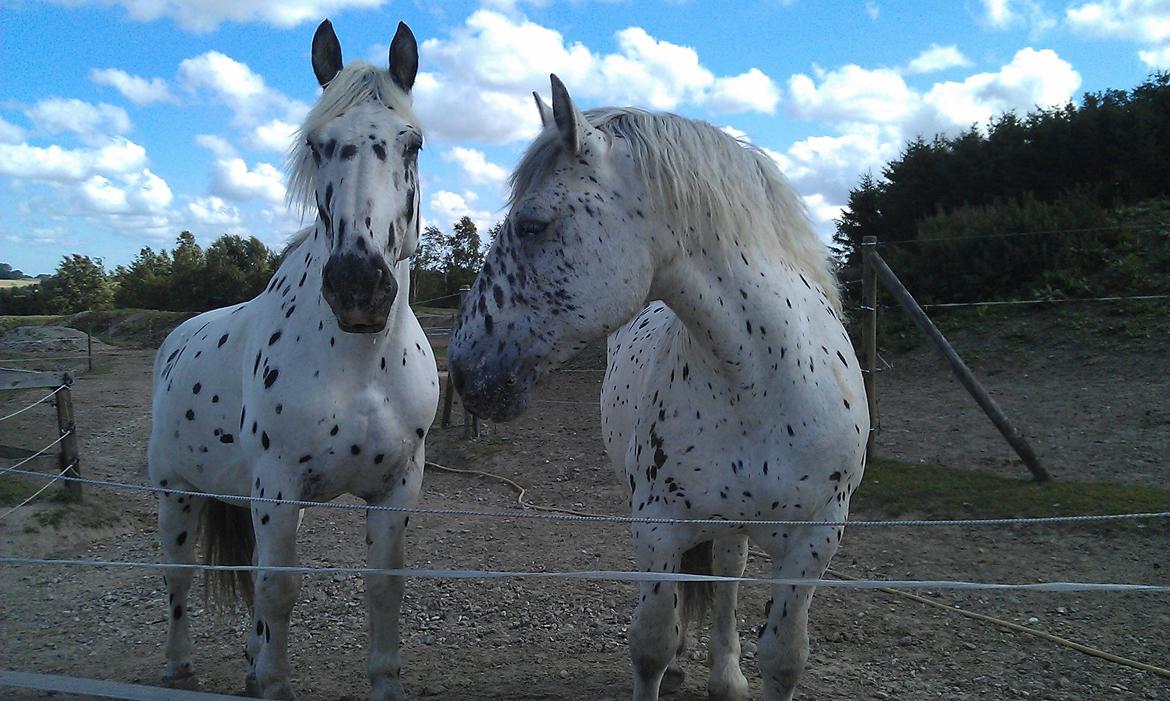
(17, 283)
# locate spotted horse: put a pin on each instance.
(731, 392)
(322, 385)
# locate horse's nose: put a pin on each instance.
(360, 290)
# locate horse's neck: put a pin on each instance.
(742, 315)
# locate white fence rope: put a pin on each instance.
(45, 398)
(301, 503)
(15, 468)
(434, 299)
(611, 576)
(101, 688)
(37, 493)
(1144, 228)
(1133, 298)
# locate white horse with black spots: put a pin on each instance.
(322, 385)
(734, 395)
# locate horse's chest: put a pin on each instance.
(346, 431)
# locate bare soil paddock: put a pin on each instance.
(1093, 413)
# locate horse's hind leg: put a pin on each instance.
(783, 645)
(727, 682)
(276, 592)
(178, 526)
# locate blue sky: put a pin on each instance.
(123, 122)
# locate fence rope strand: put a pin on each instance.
(16, 468)
(45, 398)
(301, 503)
(37, 493)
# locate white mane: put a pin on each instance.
(357, 83)
(705, 181)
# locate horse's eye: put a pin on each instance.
(531, 227)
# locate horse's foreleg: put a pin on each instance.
(178, 527)
(276, 592)
(656, 625)
(385, 531)
(727, 682)
(783, 645)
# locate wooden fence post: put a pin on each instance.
(470, 420)
(962, 372)
(89, 347)
(869, 335)
(67, 426)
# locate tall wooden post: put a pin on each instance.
(89, 348)
(869, 334)
(962, 372)
(470, 421)
(67, 426)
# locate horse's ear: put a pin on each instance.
(568, 119)
(326, 53)
(404, 57)
(546, 114)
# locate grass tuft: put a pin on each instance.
(900, 489)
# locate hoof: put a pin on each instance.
(388, 691)
(672, 680)
(730, 686)
(251, 686)
(181, 676)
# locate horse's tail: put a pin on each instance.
(695, 597)
(228, 539)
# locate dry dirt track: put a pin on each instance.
(517, 639)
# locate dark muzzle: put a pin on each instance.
(360, 290)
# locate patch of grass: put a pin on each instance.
(134, 328)
(7, 323)
(17, 283)
(445, 311)
(15, 489)
(896, 489)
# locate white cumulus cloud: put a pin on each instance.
(206, 16)
(938, 58)
(481, 76)
(142, 193)
(752, 90)
(852, 93)
(10, 133)
(92, 123)
(54, 162)
(213, 211)
(1032, 78)
(136, 89)
(1145, 22)
(449, 207)
(274, 135)
(233, 179)
(475, 166)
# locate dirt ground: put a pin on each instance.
(539, 639)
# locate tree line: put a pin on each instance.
(1066, 201)
(186, 278)
(445, 262)
(189, 278)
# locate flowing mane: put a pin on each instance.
(700, 174)
(357, 83)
